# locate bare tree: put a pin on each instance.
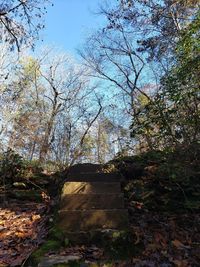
(20, 21)
(67, 86)
(111, 55)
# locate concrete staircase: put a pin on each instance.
(92, 201)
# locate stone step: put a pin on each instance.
(90, 188)
(98, 237)
(94, 177)
(92, 201)
(85, 167)
(89, 220)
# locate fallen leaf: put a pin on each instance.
(178, 244)
(159, 238)
(35, 217)
(181, 263)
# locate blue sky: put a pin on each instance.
(68, 22)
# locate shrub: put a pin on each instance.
(11, 167)
(32, 168)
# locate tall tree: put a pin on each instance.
(135, 50)
(50, 98)
(157, 25)
(20, 21)
(112, 57)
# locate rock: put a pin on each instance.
(52, 260)
(1, 229)
(19, 185)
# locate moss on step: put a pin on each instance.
(55, 233)
(120, 245)
(54, 243)
(50, 245)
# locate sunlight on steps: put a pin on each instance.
(92, 201)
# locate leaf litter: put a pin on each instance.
(160, 239)
(22, 229)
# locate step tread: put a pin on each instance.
(90, 188)
(92, 201)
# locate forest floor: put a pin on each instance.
(158, 240)
(164, 222)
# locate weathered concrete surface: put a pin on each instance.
(88, 220)
(55, 260)
(92, 201)
(90, 188)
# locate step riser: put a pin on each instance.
(92, 220)
(90, 188)
(94, 177)
(85, 167)
(94, 201)
(100, 237)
